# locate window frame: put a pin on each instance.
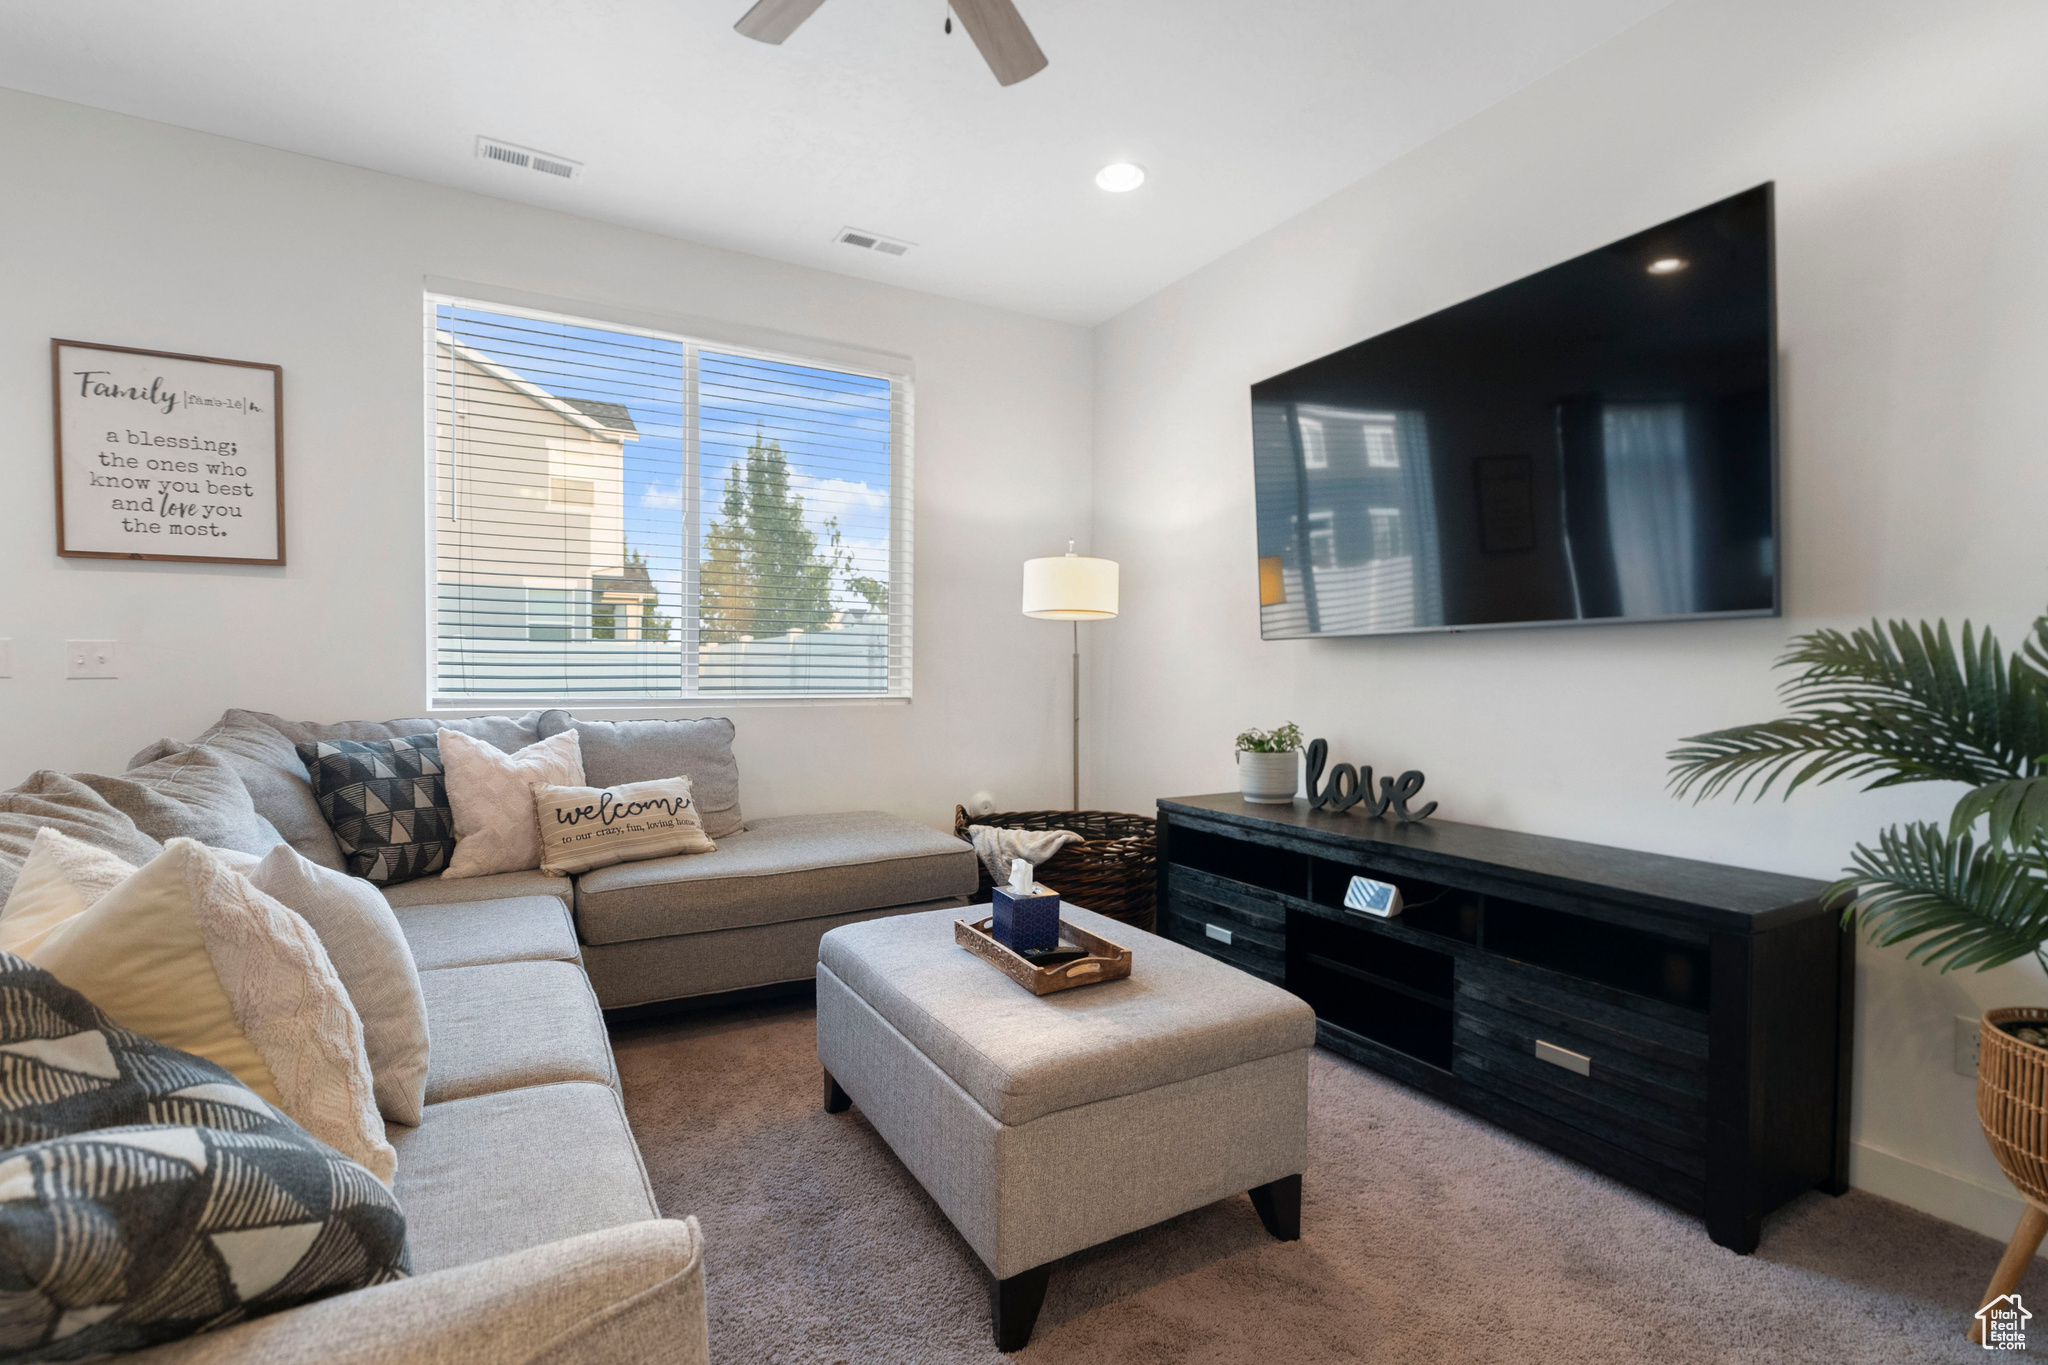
(695, 334)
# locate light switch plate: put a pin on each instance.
(6, 658)
(92, 659)
(1966, 1045)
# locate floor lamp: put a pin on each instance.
(1073, 588)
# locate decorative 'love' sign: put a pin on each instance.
(1350, 787)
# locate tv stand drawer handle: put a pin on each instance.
(1222, 936)
(1564, 1057)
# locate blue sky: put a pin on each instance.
(833, 426)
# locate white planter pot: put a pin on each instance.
(1268, 779)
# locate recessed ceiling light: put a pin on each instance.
(1120, 176)
(1668, 265)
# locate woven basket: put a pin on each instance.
(2012, 1100)
(1112, 871)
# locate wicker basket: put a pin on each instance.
(2012, 1100)
(1112, 871)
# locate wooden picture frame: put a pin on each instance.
(158, 453)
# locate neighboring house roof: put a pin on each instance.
(613, 415)
(631, 581)
(607, 421)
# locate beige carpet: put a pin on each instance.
(1426, 1236)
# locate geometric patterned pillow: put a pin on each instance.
(386, 803)
(149, 1195)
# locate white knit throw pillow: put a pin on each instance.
(188, 952)
(490, 793)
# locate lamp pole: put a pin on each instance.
(1071, 588)
(1077, 716)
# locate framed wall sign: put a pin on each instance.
(166, 456)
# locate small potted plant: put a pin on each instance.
(1268, 764)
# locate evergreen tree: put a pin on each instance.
(763, 572)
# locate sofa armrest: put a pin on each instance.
(627, 1294)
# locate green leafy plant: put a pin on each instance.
(1902, 703)
(1282, 739)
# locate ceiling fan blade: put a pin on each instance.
(770, 21)
(998, 30)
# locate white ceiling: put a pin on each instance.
(1245, 112)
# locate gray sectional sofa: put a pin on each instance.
(668, 929)
(534, 1233)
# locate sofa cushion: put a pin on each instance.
(187, 791)
(589, 827)
(146, 1194)
(469, 890)
(498, 1173)
(61, 880)
(191, 954)
(1180, 1014)
(369, 951)
(262, 748)
(491, 794)
(512, 1024)
(472, 933)
(386, 802)
(621, 751)
(783, 868)
(69, 806)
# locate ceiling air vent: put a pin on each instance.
(527, 159)
(872, 241)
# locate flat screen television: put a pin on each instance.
(1594, 443)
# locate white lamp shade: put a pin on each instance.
(1070, 588)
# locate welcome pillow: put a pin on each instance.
(188, 952)
(586, 827)
(491, 795)
(148, 1195)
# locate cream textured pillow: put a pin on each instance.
(586, 827)
(62, 878)
(370, 955)
(491, 795)
(187, 952)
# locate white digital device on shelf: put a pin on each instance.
(1372, 898)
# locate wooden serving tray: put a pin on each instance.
(1106, 961)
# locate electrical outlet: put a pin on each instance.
(1967, 1039)
(92, 659)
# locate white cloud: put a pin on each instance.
(838, 496)
(666, 497)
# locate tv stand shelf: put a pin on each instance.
(1680, 1026)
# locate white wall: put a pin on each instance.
(133, 233)
(1909, 143)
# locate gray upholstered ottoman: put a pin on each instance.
(1043, 1125)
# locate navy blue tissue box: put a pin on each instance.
(1027, 922)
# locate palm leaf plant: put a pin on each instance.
(1902, 703)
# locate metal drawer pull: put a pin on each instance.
(1564, 1057)
(1220, 935)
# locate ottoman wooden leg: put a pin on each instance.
(837, 1101)
(2019, 1254)
(1279, 1206)
(1013, 1306)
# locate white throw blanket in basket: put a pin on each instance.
(996, 847)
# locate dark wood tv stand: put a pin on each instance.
(1677, 1025)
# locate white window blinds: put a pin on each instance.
(629, 515)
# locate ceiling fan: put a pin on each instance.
(996, 27)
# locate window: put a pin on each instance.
(637, 515)
(1315, 449)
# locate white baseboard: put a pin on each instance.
(1948, 1195)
